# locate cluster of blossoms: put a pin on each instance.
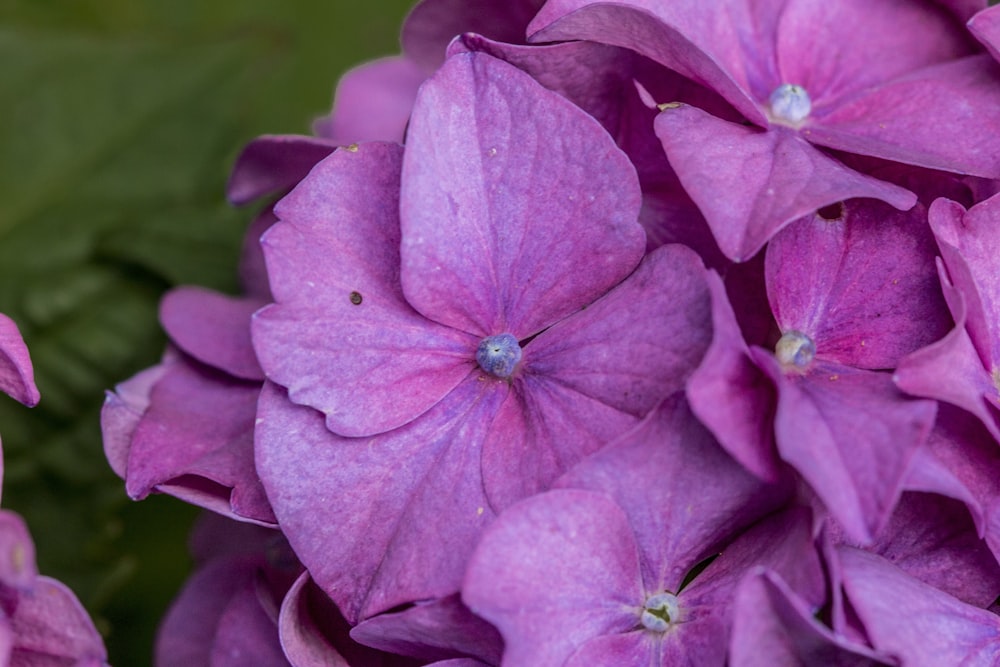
(587, 333)
(42, 623)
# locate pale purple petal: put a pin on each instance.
(432, 630)
(246, 636)
(373, 102)
(507, 189)
(770, 177)
(916, 622)
(727, 376)
(123, 409)
(928, 118)
(861, 285)
(274, 163)
(17, 378)
(333, 263)
(400, 512)
(302, 638)
(556, 570)
(253, 270)
(213, 328)
(851, 434)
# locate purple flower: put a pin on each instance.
(409, 419)
(846, 76)
(602, 570)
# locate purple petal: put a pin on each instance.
(253, 271)
(213, 328)
(195, 441)
(770, 177)
(17, 378)
(970, 244)
(683, 495)
(499, 207)
(246, 634)
(385, 520)
(274, 163)
(302, 638)
(851, 435)
(905, 120)
(556, 570)
(123, 409)
(373, 102)
(861, 285)
(986, 27)
(432, 24)
(964, 9)
(772, 625)
(432, 630)
(727, 376)
(17, 552)
(50, 624)
(916, 622)
(333, 263)
(593, 375)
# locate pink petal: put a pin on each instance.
(986, 27)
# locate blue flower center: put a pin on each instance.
(795, 350)
(659, 612)
(498, 355)
(789, 104)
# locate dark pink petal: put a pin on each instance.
(246, 634)
(333, 263)
(274, 163)
(851, 434)
(773, 626)
(432, 630)
(970, 245)
(936, 117)
(123, 409)
(498, 207)
(195, 441)
(919, 624)
(986, 27)
(432, 24)
(556, 570)
(398, 513)
(213, 328)
(683, 495)
(861, 285)
(17, 378)
(770, 177)
(51, 627)
(373, 102)
(17, 553)
(727, 376)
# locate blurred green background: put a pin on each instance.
(120, 122)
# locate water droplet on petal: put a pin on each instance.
(789, 104)
(498, 355)
(659, 612)
(795, 350)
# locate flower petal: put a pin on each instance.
(16, 375)
(274, 163)
(498, 207)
